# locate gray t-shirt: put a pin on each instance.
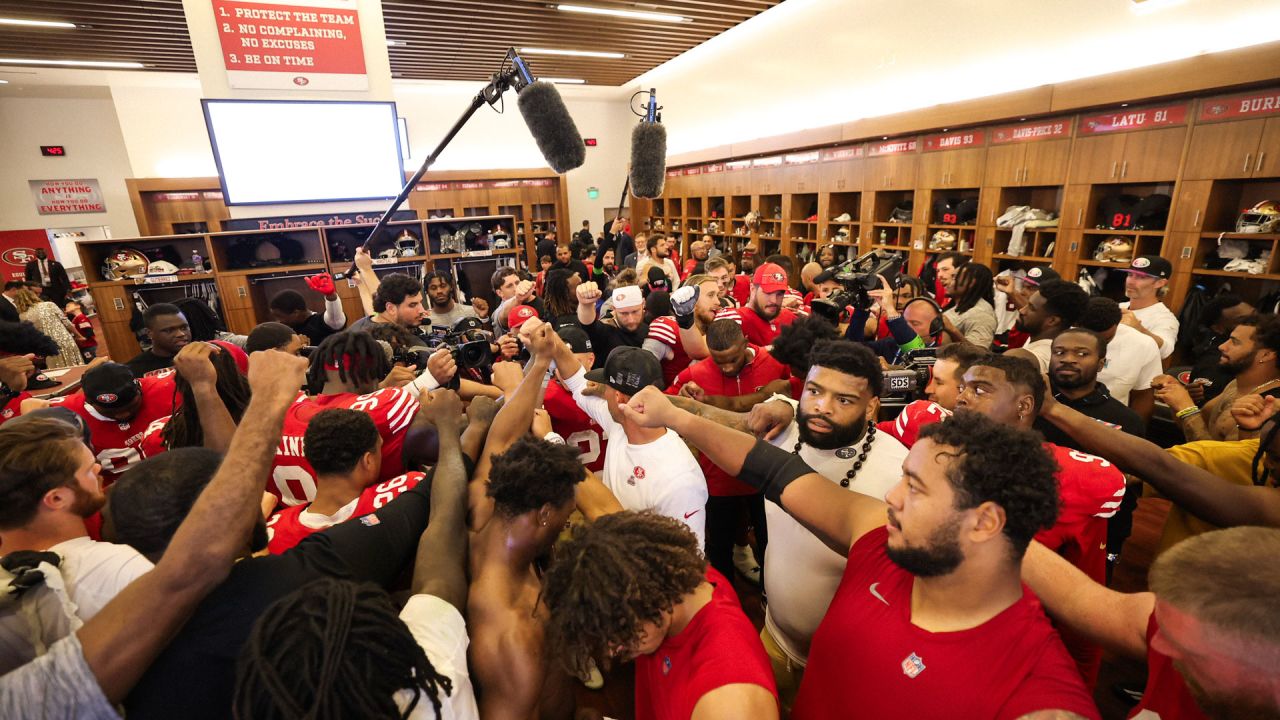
(444, 322)
(365, 324)
(58, 684)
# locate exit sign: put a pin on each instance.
(590, 142)
(53, 150)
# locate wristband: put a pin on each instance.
(1187, 412)
(772, 469)
(554, 438)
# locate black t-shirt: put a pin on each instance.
(314, 328)
(1098, 405)
(1205, 357)
(605, 337)
(147, 362)
(546, 248)
(574, 266)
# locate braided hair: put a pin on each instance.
(1258, 469)
(358, 358)
(556, 293)
(978, 284)
(183, 429)
(203, 321)
(333, 649)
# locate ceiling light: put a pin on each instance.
(564, 81)
(4, 82)
(74, 63)
(631, 14)
(571, 53)
(38, 23)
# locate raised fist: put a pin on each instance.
(683, 302)
(588, 293)
(323, 284)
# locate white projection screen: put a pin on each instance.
(287, 151)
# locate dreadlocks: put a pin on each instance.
(183, 429)
(357, 357)
(974, 282)
(616, 574)
(557, 294)
(203, 321)
(1258, 469)
(333, 649)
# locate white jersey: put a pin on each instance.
(801, 572)
(1158, 320)
(662, 476)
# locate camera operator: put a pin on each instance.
(397, 301)
(917, 326)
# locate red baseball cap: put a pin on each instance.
(237, 354)
(519, 314)
(770, 277)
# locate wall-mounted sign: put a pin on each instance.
(894, 147)
(593, 193)
(306, 221)
(291, 46)
(17, 248)
(1125, 119)
(1034, 130)
(67, 197)
(695, 170)
(712, 168)
(954, 140)
(774, 161)
(803, 158)
(734, 165)
(1258, 103)
(850, 152)
(53, 151)
(482, 184)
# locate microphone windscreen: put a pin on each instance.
(551, 126)
(648, 159)
(387, 349)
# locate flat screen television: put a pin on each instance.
(294, 151)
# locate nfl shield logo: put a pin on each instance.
(912, 665)
(666, 665)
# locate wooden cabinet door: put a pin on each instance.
(767, 180)
(800, 178)
(933, 169)
(1097, 159)
(1004, 164)
(840, 176)
(1267, 163)
(713, 184)
(900, 171)
(737, 182)
(1153, 154)
(1046, 162)
(1223, 150)
(1191, 203)
(1074, 204)
(964, 167)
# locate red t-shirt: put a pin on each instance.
(666, 330)
(117, 443)
(718, 647)
(741, 289)
(285, 528)
(392, 410)
(760, 371)
(1166, 696)
(758, 330)
(86, 330)
(913, 418)
(868, 656)
(13, 408)
(575, 426)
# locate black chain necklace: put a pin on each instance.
(869, 437)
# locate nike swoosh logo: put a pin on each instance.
(690, 514)
(877, 595)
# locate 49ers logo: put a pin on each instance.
(18, 256)
(638, 472)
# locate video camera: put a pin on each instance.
(466, 341)
(857, 277)
(908, 383)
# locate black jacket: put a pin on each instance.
(59, 284)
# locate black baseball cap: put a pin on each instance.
(657, 279)
(1041, 275)
(110, 385)
(576, 338)
(628, 370)
(1151, 266)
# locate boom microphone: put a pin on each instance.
(552, 128)
(649, 153)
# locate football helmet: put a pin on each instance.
(162, 267)
(406, 244)
(1115, 249)
(943, 240)
(1261, 218)
(125, 262)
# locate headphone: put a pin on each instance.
(937, 325)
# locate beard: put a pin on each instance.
(1073, 382)
(87, 503)
(940, 555)
(1229, 706)
(1239, 366)
(837, 437)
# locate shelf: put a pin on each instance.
(1024, 258)
(1101, 263)
(1241, 236)
(142, 282)
(890, 225)
(952, 227)
(1127, 233)
(309, 267)
(902, 248)
(1235, 274)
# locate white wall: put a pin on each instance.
(88, 128)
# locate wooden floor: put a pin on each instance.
(617, 698)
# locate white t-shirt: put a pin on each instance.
(1042, 349)
(801, 572)
(442, 633)
(661, 476)
(1133, 361)
(668, 266)
(1158, 320)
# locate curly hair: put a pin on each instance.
(1018, 372)
(1004, 465)
(559, 298)
(797, 340)
(1065, 299)
(152, 498)
(356, 355)
(288, 301)
(394, 288)
(850, 358)
(1266, 332)
(183, 428)
(333, 649)
(978, 284)
(533, 473)
(21, 338)
(612, 577)
(36, 456)
(724, 334)
(336, 439)
(1100, 315)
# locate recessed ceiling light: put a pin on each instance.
(1124, 104)
(631, 14)
(4, 82)
(571, 53)
(38, 23)
(73, 63)
(886, 137)
(564, 81)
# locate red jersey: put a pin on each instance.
(868, 655)
(913, 418)
(289, 526)
(760, 371)
(85, 327)
(117, 443)
(575, 426)
(758, 330)
(741, 289)
(13, 408)
(153, 437)
(1166, 696)
(666, 331)
(391, 409)
(718, 647)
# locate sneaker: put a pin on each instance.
(744, 561)
(842, 218)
